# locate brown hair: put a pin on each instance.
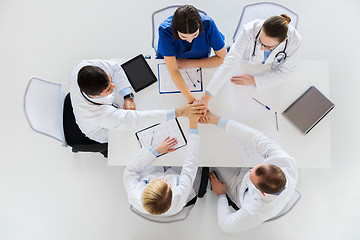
(156, 197)
(273, 179)
(277, 26)
(186, 20)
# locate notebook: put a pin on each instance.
(308, 109)
(139, 73)
(155, 134)
(192, 78)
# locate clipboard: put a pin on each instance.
(157, 133)
(191, 76)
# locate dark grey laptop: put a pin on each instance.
(308, 109)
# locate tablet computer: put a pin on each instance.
(308, 109)
(139, 73)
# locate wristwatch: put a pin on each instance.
(131, 95)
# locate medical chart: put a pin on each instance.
(154, 135)
(191, 76)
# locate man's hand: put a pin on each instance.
(166, 145)
(244, 79)
(129, 104)
(217, 187)
(188, 110)
(212, 118)
(204, 119)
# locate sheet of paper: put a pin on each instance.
(191, 76)
(153, 136)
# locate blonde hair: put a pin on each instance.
(156, 197)
(277, 26)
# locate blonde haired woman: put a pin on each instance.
(163, 190)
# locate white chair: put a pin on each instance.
(43, 106)
(263, 10)
(294, 199)
(158, 17)
(182, 215)
(200, 183)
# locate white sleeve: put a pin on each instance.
(276, 76)
(265, 146)
(188, 172)
(231, 62)
(133, 170)
(234, 222)
(112, 118)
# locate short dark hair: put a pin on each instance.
(186, 20)
(277, 26)
(273, 179)
(92, 80)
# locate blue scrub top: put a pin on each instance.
(168, 46)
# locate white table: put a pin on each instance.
(218, 148)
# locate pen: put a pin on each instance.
(190, 78)
(152, 137)
(277, 123)
(262, 104)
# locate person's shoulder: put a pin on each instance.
(254, 24)
(166, 23)
(293, 33)
(206, 19)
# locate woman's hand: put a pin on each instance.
(183, 63)
(166, 145)
(244, 79)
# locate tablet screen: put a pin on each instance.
(139, 73)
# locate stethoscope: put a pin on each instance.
(95, 103)
(279, 57)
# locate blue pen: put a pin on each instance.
(190, 78)
(152, 137)
(262, 104)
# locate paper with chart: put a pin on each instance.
(154, 135)
(191, 76)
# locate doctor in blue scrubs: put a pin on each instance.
(185, 41)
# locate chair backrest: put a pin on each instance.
(43, 106)
(200, 183)
(182, 215)
(263, 10)
(294, 199)
(158, 17)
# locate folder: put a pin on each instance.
(308, 109)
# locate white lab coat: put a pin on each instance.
(242, 50)
(94, 120)
(138, 173)
(256, 208)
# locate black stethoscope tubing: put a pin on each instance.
(279, 53)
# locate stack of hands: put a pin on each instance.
(197, 112)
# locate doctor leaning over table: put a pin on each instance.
(260, 193)
(272, 43)
(160, 190)
(98, 88)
